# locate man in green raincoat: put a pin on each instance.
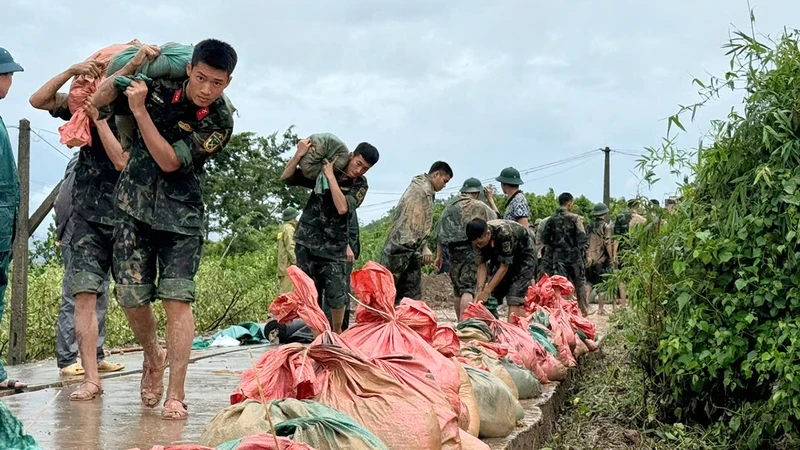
(9, 199)
(286, 256)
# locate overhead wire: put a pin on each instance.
(581, 157)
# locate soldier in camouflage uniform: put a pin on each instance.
(158, 243)
(564, 242)
(600, 255)
(508, 246)
(451, 233)
(328, 227)
(89, 251)
(406, 251)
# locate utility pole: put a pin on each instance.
(607, 178)
(19, 278)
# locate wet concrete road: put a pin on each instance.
(118, 420)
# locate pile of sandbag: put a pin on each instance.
(76, 132)
(554, 318)
(374, 393)
(522, 348)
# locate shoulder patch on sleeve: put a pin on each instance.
(507, 247)
(213, 142)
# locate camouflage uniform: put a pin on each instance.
(565, 242)
(323, 235)
(598, 259)
(95, 214)
(451, 232)
(162, 232)
(412, 223)
(511, 244)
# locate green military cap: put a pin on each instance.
(471, 185)
(510, 175)
(290, 214)
(599, 209)
(537, 222)
(7, 63)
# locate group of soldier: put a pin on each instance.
(490, 260)
(135, 209)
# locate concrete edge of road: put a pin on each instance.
(542, 413)
(68, 381)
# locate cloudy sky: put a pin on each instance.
(482, 85)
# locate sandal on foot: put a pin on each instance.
(174, 409)
(108, 366)
(72, 370)
(14, 385)
(84, 393)
(151, 396)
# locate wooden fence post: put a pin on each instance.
(19, 287)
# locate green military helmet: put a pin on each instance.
(471, 185)
(599, 209)
(290, 214)
(7, 63)
(537, 222)
(510, 175)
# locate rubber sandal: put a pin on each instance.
(72, 370)
(152, 397)
(172, 411)
(107, 366)
(12, 385)
(77, 397)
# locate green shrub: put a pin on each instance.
(716, 292)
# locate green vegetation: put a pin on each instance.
(716, 292)
(608, 407)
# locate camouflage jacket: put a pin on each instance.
(322, 230)
(599, 234)
(411, 225)
(95, 174)
(452, 225)
(563, 238)
(174, 201)
(511, 243)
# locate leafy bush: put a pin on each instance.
(716, 292)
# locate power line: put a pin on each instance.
(51, 145)
(582, 158)
(624, 152)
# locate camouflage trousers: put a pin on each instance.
(332, 278)
(92, 248)
(144, 256)
(463, 269)
(407, 271)
(514, 286)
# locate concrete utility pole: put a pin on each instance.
(607, 178)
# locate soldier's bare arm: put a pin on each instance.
(45, 97)
(497, 278)
(339, 199)
(162, 151)
(113, 148)
(107, 93)
(291, 167)
(482, 273)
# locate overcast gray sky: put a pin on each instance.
(482, 85)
